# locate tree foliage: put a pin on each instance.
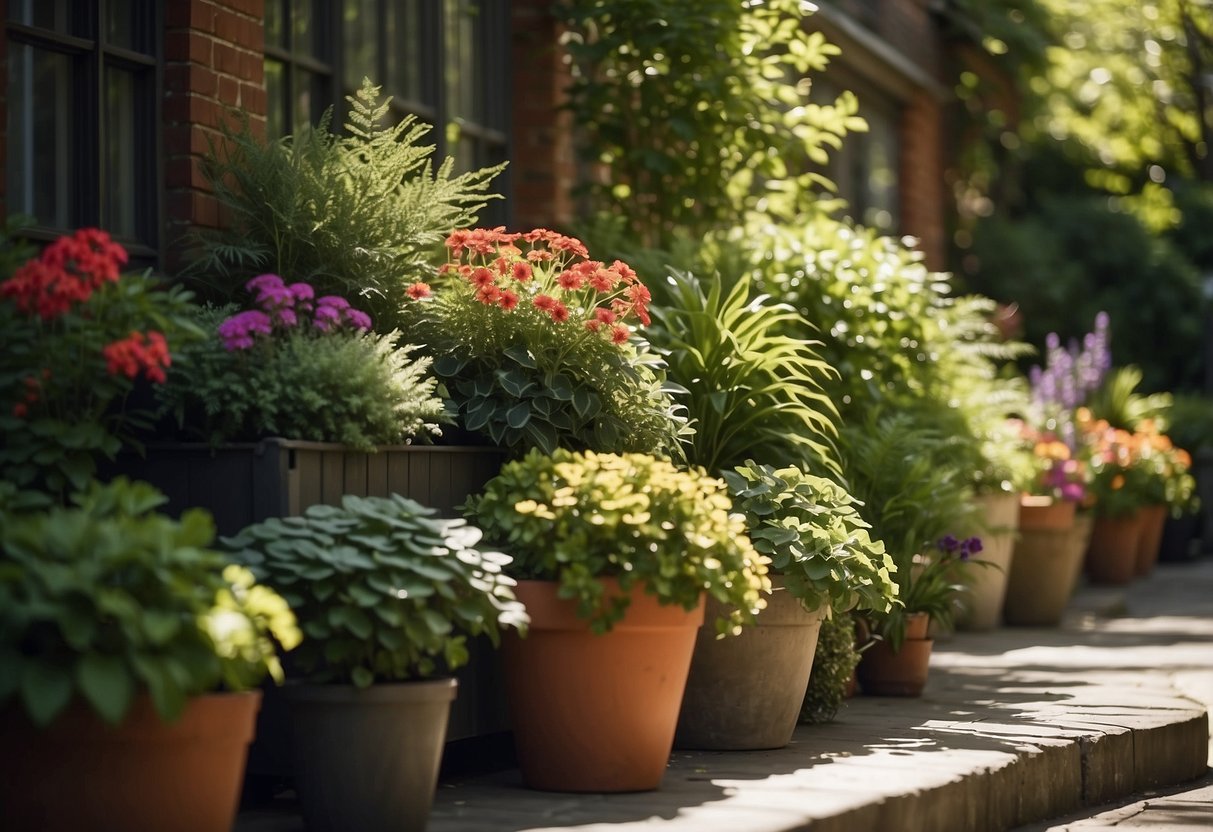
(694, 112)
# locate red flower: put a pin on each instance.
(482, 277)
(544, 302)
(538, 255)
(138, 352)
(570, 281)
(488, 295)
(523, 272)
(20, 410)
(508, 300)
(619, 334)
(605, 316)
(559, 312)
(603, 280)
(418, 291)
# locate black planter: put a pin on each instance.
(1179, 538)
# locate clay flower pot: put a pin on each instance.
(368, 759)
(988, 584)
(596, 713)
(1039, 513)
(1154, 521)
(1044, 571)
(904, 673)
(744, 693)
(1115, 541)
(81, 773)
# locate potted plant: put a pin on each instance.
(119, 627)
(76, 339)
(913, 490)
(746, 692)
(833, 676)
(387, 596)
(534, 342)
(614, 554)
(1120, 486)
(1053, 532)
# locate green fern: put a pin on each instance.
(360, 215)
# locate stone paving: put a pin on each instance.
(1016, 726)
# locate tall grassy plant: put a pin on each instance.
(359, 215)
(753, 391)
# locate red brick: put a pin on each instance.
(226, 58)
(229, 91)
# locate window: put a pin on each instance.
(444, 62)
(82, 116)
(866, 168)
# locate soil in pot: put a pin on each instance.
(82, 775)
(596, 713)
(744, 693)
(368, 759)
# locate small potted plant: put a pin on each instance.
(535, 344)
(746, 692)
(614, 554)
(913, 489)
(1120, 487)
(129, 651)
(387, 596)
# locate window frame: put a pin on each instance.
(91, 57)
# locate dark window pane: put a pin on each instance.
(275, 32)
(275, 93)
(40, 171)
(46, 14)
(464, 73)
(311, 97)
(361, 33)
(121, 183)
(402, 25)
(307, 23)
(120, 27)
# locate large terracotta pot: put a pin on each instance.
(596, 713)
(744, 693)
(1037, 513)
(1112, 555)
(1154, 519)
(1044, 572)
(142, 775)
(368, 759)
(904, 673)
(988, 584)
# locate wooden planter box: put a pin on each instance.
(246, 483)
(241, 484)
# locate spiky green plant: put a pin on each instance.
(755, 392)
(359, 215)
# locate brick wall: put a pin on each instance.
(542, 160)
(923, 190)
(213, 61)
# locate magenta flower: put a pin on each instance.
(237, 331)
(333, 301)
(326, 317)
(358, 319)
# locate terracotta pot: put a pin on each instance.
(368, 759)
(1044, 571)
(904, 673)
(988, 584)
(1154, 520)
(744, 693)
(1112, 555)
(142, 775)
(596, 713)
(1038, 513)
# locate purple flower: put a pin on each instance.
(358, 319)
(302, 294)
(285, 316)
(326, 317)
(237, 331)
(948, 544)
(972, 546)
(333, 301)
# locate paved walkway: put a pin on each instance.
(1016, 726)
